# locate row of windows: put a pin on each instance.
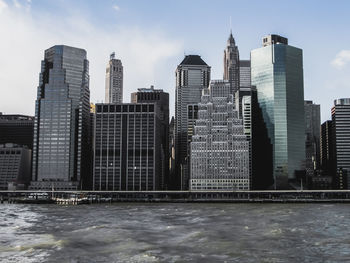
(125, 108)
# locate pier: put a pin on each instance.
(89, 197)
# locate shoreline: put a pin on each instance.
(92, 197)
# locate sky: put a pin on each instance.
(151, 38)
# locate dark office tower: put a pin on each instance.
(327, 154)
(244, 73)
(312, 137)
(60, 145)
(172, 178)
(161, 99)
(341, 133)
(15, 162)
(231, 64)
(127, 147)
(114, 80)
(261, 147)
(17, 129)
(192, 76)
(277, 73)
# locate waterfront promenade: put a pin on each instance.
(279, 196)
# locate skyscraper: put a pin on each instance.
(327, 148)
(219, 147)
(192, 76)
(277, 73)
(128, 147)
(114, 80)
(60, 145)
(161, 100)
(341, 133)
(312, 134)
(231, 64)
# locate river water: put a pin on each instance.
(130, 232)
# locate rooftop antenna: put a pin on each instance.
(231, 25)
(112, 56)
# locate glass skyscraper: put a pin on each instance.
(277, 73)
(312, 134)
(61, 120)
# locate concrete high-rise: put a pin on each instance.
(127, 147)
(192, 76)
(244, 73)
(277, 73)
(114, 81)
(219, 148)
(341, 133)
(231, 64)
(61, 126)
(161, 100)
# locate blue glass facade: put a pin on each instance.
(277, 73)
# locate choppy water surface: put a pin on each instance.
(175, 233)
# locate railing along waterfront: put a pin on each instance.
(283, 196)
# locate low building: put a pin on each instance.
(17, 129)
(15, 164)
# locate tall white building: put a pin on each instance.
(219, 147)
(114, 80)
(192, 76)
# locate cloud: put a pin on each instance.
(3, 6)
(341, 59)
(115, 7)
(145, 54)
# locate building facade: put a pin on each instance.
(312, 134)
(219, 147)
(17, 129)
(161, 99)
(244, 73)
(114, 81)
(277, 73)
(192, 76)
(127, 147)
(231, 64)
(172, 170)
(15, 163)
(341, 133)
(60, 145)
(327, 149)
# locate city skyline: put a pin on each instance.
(131, 34)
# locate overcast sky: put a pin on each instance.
(151, 38)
